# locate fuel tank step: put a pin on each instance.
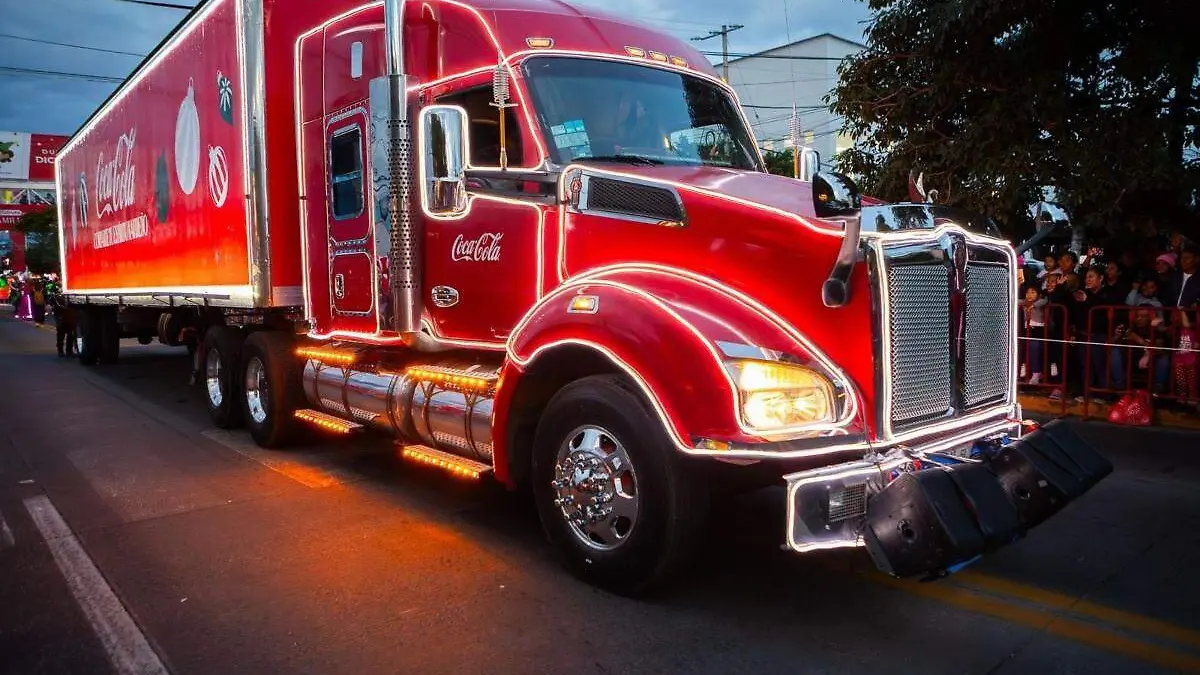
(328, 422)
(460, 467)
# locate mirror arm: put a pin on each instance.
(1037, 238)
(836, 290)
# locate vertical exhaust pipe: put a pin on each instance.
(392, 169)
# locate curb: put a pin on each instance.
(1096, 410)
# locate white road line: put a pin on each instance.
(128, 651)
(6, 538)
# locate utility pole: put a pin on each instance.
(724, 33)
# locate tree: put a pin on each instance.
(779, 163)
(994, 101)
(41, 240)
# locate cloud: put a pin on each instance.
(56, 105)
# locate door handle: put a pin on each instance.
(339, 286)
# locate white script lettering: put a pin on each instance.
(486, 247)
(114, 179)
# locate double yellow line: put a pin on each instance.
(1061, 615)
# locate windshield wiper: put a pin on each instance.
(628, 159)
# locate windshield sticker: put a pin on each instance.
(571, 138)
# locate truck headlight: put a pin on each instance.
(776, 395)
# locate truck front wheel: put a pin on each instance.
(272, 377)
(613, 494)
(221, 375)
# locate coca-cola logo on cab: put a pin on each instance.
(115, 177)
(484, 248)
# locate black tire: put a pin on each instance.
(272, 382)
(89, 337)
(672, 503)
(110, 335)
(220, 376)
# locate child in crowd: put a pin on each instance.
(1034, 312)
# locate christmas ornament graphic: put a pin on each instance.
(225, 97)
(187, 142)
(218, 176)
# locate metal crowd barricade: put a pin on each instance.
(1119, 360)
(1046, 350)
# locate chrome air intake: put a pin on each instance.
(445, 405)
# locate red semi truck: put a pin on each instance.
(538, 243)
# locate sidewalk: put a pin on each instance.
(1040, 404)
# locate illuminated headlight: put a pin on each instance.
(776, 395)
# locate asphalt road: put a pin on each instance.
(134, 537)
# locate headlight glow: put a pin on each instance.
(776, 395)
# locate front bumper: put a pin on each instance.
(931, 509)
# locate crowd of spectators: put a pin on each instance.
(1113, 322)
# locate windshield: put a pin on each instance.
(626, 112)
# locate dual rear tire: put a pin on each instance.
(252, 381)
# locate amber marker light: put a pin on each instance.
(329, 356)
(676, 61)
(658, 56)
(636, 52)
(449, 379)
(540, 42)
(327, 422)
(584, 304)
(453, 468)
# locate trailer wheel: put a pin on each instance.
(272, 377)
(220, 371)
(613, 494)
(89, 337)
(110, 335)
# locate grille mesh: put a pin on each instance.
(989, 319)
(618, 196)
(919, 327)
(849, 502)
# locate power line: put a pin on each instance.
(67, 44)
(58, 73)
(786, 107)
(159, 4)
(766, 56)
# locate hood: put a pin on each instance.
(778, 192)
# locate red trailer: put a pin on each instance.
(538, 243)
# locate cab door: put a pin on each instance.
(348, 224)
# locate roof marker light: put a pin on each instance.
(636, 52)
(540, 42)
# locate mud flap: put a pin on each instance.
(935, 520)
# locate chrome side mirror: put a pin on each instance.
(444, 152)
(810, 164)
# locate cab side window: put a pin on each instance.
(483, 127)
(346, 172)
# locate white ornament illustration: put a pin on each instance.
(218, 175)
(79, 214)
(187, 142)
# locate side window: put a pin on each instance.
(483, 127)
(346, 172)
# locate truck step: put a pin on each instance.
(460, 467)
(328, 422)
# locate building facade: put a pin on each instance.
(801, 73)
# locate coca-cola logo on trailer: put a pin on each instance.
(484, 248)
(115, 177)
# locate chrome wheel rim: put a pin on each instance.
(595, 488)
(256, 390)
(212, 378)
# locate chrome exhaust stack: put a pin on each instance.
(397, 232)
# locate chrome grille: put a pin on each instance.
(919, 331)
(989, 316)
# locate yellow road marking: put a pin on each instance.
(1044, 620)
(1060, 601)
